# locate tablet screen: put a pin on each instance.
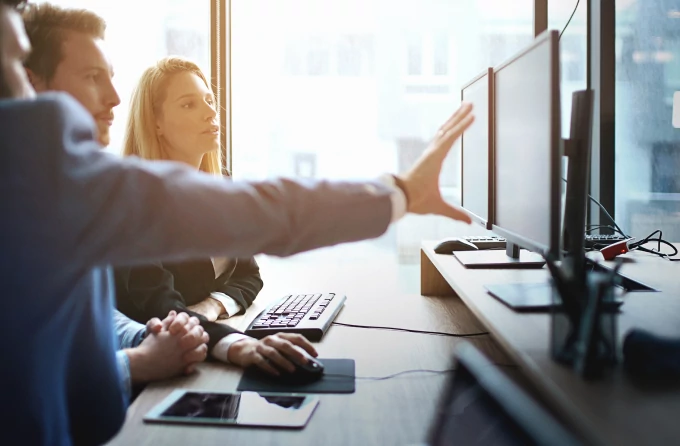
(241, 409)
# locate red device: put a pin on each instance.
(616, 249)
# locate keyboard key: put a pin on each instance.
(293, 323)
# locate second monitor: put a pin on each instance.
(476, 150)
(526, 157)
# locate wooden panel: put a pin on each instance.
(431, 281)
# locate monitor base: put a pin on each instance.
(499, 259)
(524, 296)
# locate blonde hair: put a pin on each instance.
(141, 138)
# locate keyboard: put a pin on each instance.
(486, 242)
(593, 241)
(307, 314)
(600, 241)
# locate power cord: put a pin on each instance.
(570, 17)
(408, 330)
(405, 372)
(592, 228)
(394, 375)
(609, 216)
(639, 246)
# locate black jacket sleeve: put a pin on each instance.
(244, 284)
(148, 291)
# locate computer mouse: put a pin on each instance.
(309, 371)
(447, 246)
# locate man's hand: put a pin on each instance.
(172, 347)
(421, 182)
(267, 351)
(209, 308)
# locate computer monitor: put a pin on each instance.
(527, 149)
(482, 406)
(476, 150)
(539, 296)
(526, 160)
(577, 150)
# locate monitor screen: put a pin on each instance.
(475, 143)
(527, 153)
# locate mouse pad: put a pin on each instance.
(256, 380)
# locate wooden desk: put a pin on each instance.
(390, 412)
(612, 411)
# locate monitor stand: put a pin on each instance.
(534, 297)
(512, 257)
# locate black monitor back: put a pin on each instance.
(578, 151)
(527, 147)
(482, 406)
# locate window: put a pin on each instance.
(573, 55)
(140, 33)
(351, 89)
(647, 149)
(414, 48)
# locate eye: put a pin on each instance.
(187, 105)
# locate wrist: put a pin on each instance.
(401, 184)
(218, 307)
(138, 372)
(235, 350)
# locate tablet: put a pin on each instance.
(285, 410)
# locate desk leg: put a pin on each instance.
(431, 281)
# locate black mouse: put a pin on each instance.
(307, 372)
(447, 246)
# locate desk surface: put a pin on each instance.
(609, 411)
(395, 411)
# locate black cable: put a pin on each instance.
(570, 17)
(591, 228)
(620, 231)
(408, 330)
(405, 372)
(394, 375)
(639, 246)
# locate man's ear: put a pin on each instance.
(38, 82)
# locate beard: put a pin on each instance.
(103, 135)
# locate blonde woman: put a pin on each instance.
(173, 117)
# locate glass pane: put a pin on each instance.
(352, 89)
(573, 47)
(141, 32)
(647, 144)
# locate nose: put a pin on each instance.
(112, 99)
(210, 112)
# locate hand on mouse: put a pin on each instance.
(421, 182)
(266, 352)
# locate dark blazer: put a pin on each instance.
(152, 290)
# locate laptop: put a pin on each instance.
(481, 406)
